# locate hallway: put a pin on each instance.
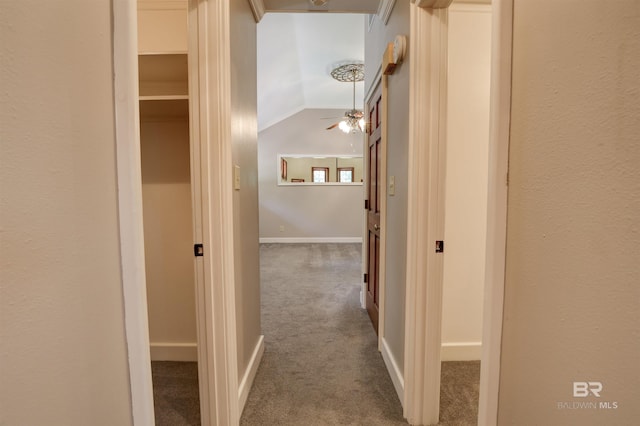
(321, 365)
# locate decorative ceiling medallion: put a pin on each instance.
(349, 73)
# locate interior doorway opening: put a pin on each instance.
(301, 150)
(140, 376)
(168, 197)
(465, 223)
(294, 211)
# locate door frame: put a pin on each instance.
(425, 218)
(378, 80)
(427, 142)
(209, 102)
(129, 175)
(210, 112)
(495, 265)
(422, 338)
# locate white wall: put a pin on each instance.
(63, 356)
(466, 180)
(168, 239)
(572, 294)
(308, 212)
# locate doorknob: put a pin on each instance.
(376, 227)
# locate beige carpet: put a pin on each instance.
(321, 365)
(175, 393)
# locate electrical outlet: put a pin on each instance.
(281, 228)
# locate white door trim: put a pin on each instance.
(211, 153)
(425, 221)
(125, 67)
(382, 265)
(210, 83)
(197, 185)
(422, 373)
(499, 132)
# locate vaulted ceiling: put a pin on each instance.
(297, 51)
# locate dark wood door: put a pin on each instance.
(374, 153)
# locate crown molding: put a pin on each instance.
(384, 10)
(257, 7)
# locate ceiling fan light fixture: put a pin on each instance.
(354, 119)
(353, 122)
(318, 2)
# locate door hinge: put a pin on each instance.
(198, 250)
(439, 246)
(366, 278)
(366, 204)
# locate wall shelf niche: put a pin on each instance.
(163, 75)
(163, 85)
(164, 109)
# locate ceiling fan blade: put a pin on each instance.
(333, 126)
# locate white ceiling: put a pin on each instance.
(296, 53)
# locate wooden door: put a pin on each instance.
(374, 153)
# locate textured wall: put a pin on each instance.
(63, 359)
(308, 211)
(572, 293)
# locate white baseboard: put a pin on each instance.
(250, 373)
(461, 351)
(394, 371)
(294, 240)
(174, 351)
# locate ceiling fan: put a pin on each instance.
(353, 120)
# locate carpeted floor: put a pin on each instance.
(459, 392)
(175, 393)
(321, 365)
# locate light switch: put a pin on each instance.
(392, 185)
(236, 177)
